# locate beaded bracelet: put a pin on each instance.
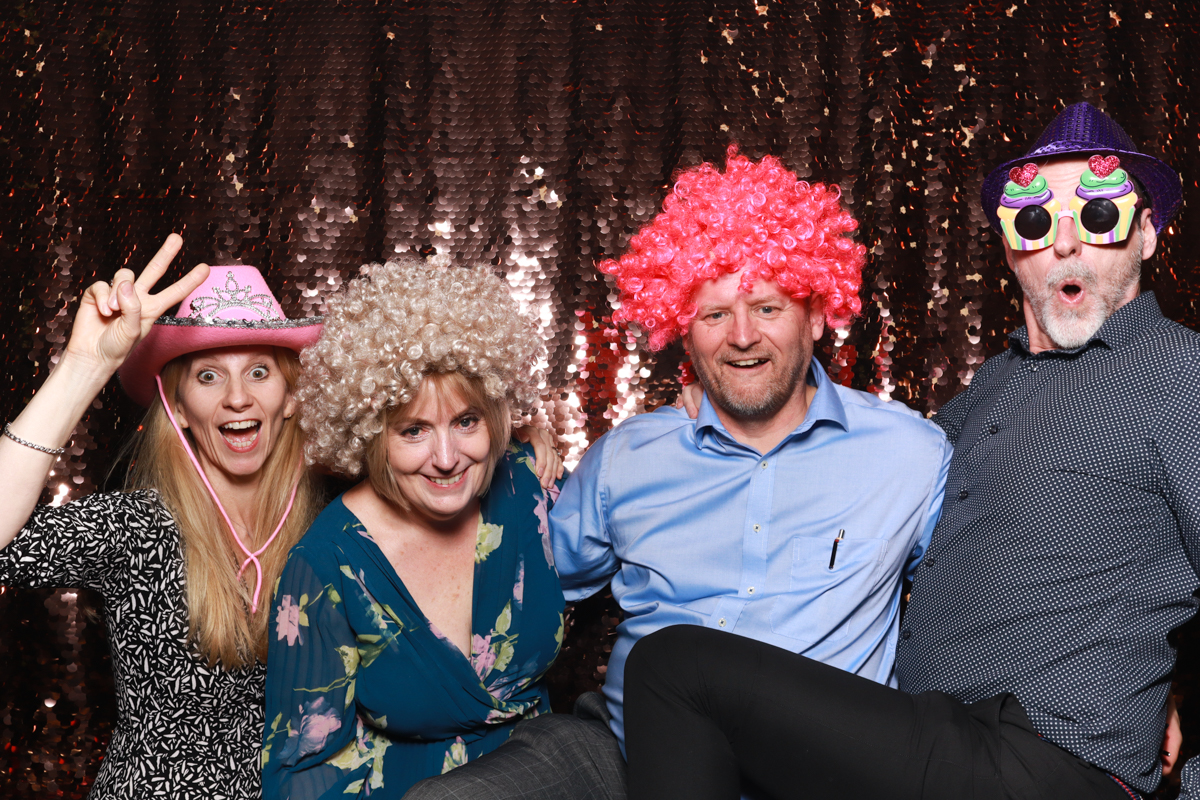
(54, 451)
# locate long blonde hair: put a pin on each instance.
(219, 618)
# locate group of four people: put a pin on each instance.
(1049, 521)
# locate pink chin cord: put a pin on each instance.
(250, 557)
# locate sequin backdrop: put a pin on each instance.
(308, 136)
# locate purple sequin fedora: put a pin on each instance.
(1084, 130)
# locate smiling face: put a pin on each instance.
(751, 350)
(439, 452)
(234, 401)
(1071, 288)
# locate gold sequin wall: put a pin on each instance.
(306, 137)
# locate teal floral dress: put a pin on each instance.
(364, 696)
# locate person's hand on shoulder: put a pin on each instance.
(689, 399)
(547, 461)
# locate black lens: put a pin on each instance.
(1099, 215)
(1032, 222)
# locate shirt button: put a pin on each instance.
(721, 622)
(931, 559)
(993, 429)
(963, 494)
(750, 590)
(906, 634)
(756, 528)
(763, 465)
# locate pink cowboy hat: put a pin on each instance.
(232, 307)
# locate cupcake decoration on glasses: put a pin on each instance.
(1028, 210)
(1104, 203)
(1102, 208)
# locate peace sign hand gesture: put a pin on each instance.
(113, 317)
(110, 321)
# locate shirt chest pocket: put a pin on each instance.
(823, 601)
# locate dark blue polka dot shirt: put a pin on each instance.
(1069, 539)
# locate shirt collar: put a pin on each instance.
(825, 406)
(1125, 324)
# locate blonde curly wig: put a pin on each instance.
(389, 328)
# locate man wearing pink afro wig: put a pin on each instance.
(789, 511)
(754, 219)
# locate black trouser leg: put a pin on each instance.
(706, 711)
(701, 708)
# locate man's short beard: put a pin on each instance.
(1070, 328)
(762, 406)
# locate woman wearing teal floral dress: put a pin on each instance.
(414, 621)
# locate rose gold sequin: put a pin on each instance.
(308, 137)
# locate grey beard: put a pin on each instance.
(1071, 328)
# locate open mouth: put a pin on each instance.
(1071, 293)
(748, 363)
(453, 480)
(242, 434)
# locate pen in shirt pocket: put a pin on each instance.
(833, 555)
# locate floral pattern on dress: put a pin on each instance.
(315, 722)
(519, 586)
(494, 651)
(367, 748)
(542, 511)
(456, 755)
(364, 694)
(486, 540)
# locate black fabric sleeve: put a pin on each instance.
(81, 544)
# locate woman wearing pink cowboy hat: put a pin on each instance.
(185, 558)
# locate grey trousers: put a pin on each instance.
(551, 757)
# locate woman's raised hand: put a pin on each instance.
(110, 321)
(112, 317)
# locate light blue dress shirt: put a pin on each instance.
(693, 527)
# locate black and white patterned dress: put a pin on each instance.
(184, 730)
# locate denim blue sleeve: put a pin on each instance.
(937, 493)
(583, 549)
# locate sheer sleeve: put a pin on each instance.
(310, 747)
(83, 544)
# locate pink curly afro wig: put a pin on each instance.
(753, 216)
